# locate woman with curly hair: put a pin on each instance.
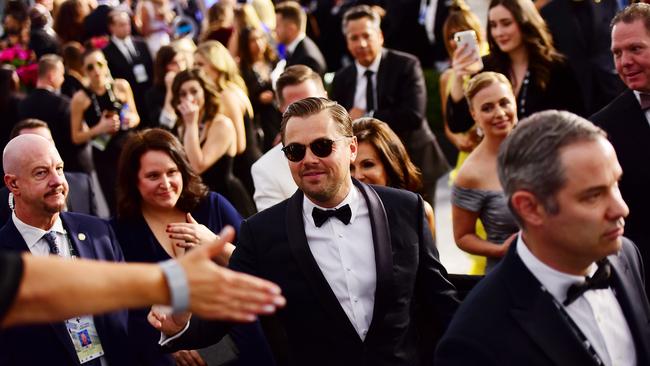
(209, 137)
(521, 48)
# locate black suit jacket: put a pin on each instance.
(54, 110)
(581, 32)
(122, 69)
(81, 196)
(410, 281)
(401, 102)
(508, 320)
(308, 54)
(629, 132)
(50, 344)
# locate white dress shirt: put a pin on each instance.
(291, 47)
(272, 179)
(362, 83)
(126, 47)
(345, 255)
(597, 313)
(33, 237)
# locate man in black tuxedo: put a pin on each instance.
(389, 86)
(356, 263)
(291, 22)
(45, 103)
(626, 120)
(129, 58)
(570, 289)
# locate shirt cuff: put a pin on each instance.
(165, 340)
(179, 291)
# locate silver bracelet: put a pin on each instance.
(179, 291)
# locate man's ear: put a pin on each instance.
(528, 207)
(10, 182)
(353, 148)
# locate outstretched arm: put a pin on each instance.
(90, 287)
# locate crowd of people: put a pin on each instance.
(255, 154)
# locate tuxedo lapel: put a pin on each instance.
(627, 295)
(535, 312)
(383, 254)
(308, 266)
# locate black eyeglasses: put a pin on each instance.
(320, 147)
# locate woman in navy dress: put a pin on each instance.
(163, 210)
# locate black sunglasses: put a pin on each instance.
(321, 147)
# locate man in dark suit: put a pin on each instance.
(570, 289)
(291, 22)
(580, 31)
(46, 104)
(34, 174)
(357, 263)
(389, 86)
(129, 58)
(82, 196)
(626, 120)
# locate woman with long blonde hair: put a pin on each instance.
(220, 68)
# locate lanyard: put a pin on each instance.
(576, 330)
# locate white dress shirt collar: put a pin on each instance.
(556, 283)
(291, 47)
(374, 66)
(32, 234)
(351, 199)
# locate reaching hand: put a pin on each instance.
(168, 324)
(220, 293)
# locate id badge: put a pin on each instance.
(140, 73)
(85, 339)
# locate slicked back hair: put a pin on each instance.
(314, 105)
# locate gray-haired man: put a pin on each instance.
(570, 291)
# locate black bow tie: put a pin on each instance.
(600, 280)
(342, 213)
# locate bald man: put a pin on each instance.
(34, 174)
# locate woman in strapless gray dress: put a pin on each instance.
(477, 192)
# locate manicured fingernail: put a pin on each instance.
(268, 308)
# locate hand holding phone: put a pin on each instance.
(467, 39)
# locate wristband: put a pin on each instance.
(179, 291)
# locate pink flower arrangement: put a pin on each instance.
(24, 62)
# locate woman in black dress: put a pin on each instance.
(521, 48)
(101, 115)
(209, 137)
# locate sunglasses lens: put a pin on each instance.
(294, 152)
(321, 147)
